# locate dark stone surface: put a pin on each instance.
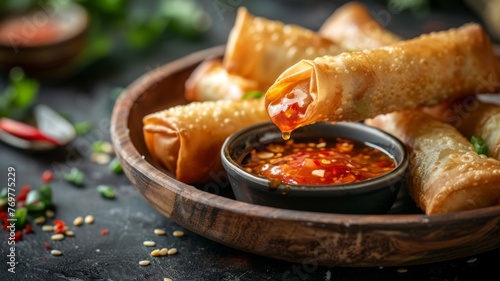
(131, 220)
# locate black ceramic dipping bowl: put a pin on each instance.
(373, 196)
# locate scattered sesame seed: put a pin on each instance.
(155, 253)
(40, 220)
(56, 253)
(100, 158)
(144, 262)
(49, 213)
(172, 251)
(159, 231)
(57, 237)
(178, 233)
(78, 221)
(149, 243)
(107, 147)
(163, 252)
(48, 228)
(167, 279)
(69, 233)
(471, 260)
(89, 219)
(402, 270)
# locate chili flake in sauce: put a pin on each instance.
(337, 161)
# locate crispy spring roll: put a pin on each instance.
(447, 175)
(187, 139)
(352, 26)
(260, 49)
(210, 81)
(472, 117)
(358, 85)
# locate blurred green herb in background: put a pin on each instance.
(19, 95)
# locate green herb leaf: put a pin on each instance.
(46, 195)
(18, 96)
(4, 192)
(106, 191)
(115, 166)
(75, 177)
(479, 144)
(82, 128)
(20, 216)
(253, 95)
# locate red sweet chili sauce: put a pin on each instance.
(321, 162)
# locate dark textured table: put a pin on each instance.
(130, 220)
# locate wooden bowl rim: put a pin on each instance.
(125, 147)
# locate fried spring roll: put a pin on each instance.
(187, 139)
(210, 81)
(447, 175)
(260, 49)
(359, 85)
(472, 117)
(352, 26)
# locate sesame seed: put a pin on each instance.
(178, 233)
(155, 253)
(163, 252)
(40, 220)
(47, 228)
(471, 260)
(56, 253)
(159, 231)
(49, 213)
(69, 233)
(78, 221)
(402, 270)
(57, 237)
(149, 243)
(100, 158)
(144, 262)
(167, 279)
(89, 219)
(172, 251)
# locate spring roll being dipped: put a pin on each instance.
(354, 86)
(472, 117)
(352, 26)
(447, 175)
(187, 139)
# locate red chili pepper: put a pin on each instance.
(19, 236)
(59, 226)
(28, 229)
(104, 232)
(25, 131)
(47, 176)
(24, 192)
(383, 164)
(47, 245)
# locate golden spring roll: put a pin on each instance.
(472, 117)
(210, 81)
(447, 175)
(352, 26)
(260, 49)
(358, 85)
(187, 139)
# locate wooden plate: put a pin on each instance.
(403, 237)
